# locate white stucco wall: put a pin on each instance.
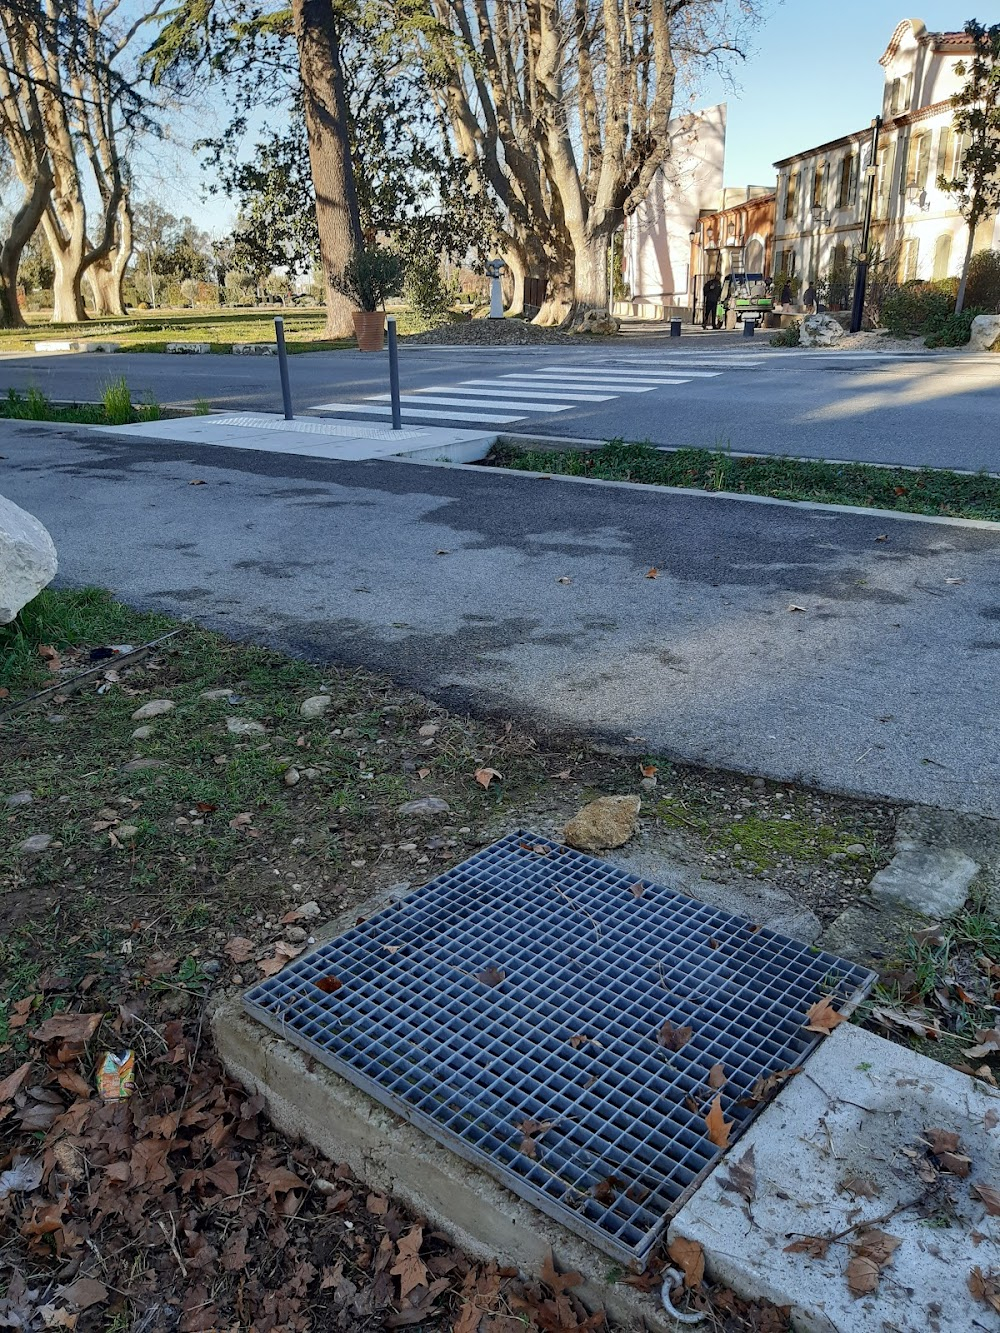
(657, 250)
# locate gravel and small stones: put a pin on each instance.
(244, 726)
(36, 844)
(215, 695)
(18, 798)
(493, 333)
(142, 733)
(155, 708)
(426, 807)
(137, 765)
(315, 706)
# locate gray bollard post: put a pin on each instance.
(286, 390)
(749, 327)
(397, 419)
(675, 328)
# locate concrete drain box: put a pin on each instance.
(515, 1008)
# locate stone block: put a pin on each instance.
(819, 331)
(985, 336)
(27, 559)
(254, 349)
(81, 346)
(932, 880)
(188, 349)
(849, 1140)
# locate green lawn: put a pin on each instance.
(151, 330)
(915, 491)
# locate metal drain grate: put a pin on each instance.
(530, 984)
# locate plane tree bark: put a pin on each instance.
(563, 108)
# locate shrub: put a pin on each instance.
(424, 288)
(983, 289)
(915, 307)
(788, 337)
(952, 331)
(371, 277)
(117, 402)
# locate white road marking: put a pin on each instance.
(619, 386)
(370, 409)
(535, 406)
(489, 387)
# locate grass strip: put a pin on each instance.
(935, 491)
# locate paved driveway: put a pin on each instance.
(452, 580)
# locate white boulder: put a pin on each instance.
(27, 559)
(985, 335)
(819, 331)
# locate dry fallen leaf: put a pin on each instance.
(882, 537)
(13, 1081)
(197, 482)
(941, 1141)
(718, 1127)
(532, 1130)
(815, 1246)
(858, 1186)
(717, 1076)
(989, 1043)
(484, 776)
(653, 573)
(765, 1088)
(674, 1038)
(794, 606)
(648, 770)
(329, 985)
(50, 657)
(822, 1017)
(283, 953)
(491, 976)
(862, 1275)
(742, 1178)
(408, 1266)
(239, 949)
(989, 1196)
(67, 1027)
(985, 1287)
(559, 1282)
(423, 773)
(689, 1258)
(84, 1292)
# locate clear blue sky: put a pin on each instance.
(815, 75)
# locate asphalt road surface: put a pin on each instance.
(933, 409)
(453, 580)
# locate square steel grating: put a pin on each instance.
(531, 984)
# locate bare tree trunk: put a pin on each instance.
(326, 116)
(964, 280)
(21, 229)
(106, 276)
(590, 272)
(67, 245)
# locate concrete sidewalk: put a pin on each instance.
(855, 651)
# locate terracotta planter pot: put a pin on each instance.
(369, 329)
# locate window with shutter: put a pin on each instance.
(790, 192)
(844, 188)
(819, 185)
(942, 257)
(945, 152)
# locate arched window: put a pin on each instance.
(942, 256)
(753, 255)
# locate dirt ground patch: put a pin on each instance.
(184, 821)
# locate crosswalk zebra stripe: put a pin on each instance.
(486, 388)
(441, 414)
(407, 399)
(619, 386)
(631, 374)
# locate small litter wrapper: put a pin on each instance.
(116, 1076)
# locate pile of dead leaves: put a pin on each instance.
(181, 1208)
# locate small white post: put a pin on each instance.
(494, 268)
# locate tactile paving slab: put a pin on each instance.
(514, 1009)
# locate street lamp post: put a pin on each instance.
(693, 237)
(861, 278)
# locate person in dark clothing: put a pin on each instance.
(713, 290)
(786, 294)
(809, 297)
